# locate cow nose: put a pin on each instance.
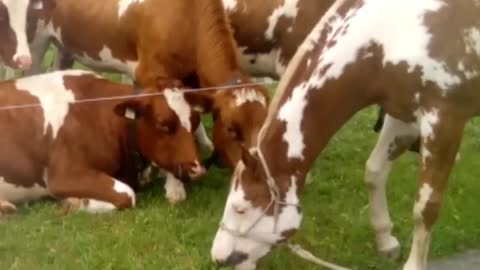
(235, 258)
(196, 170)
(23, 62)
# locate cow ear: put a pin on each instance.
(132, 109)
(201, 102)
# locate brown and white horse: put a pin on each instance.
(412, 58)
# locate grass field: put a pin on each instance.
(156, 235)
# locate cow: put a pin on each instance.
(407, 56)
(150, 42)
(14, 48)
(75, 136)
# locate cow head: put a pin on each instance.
(238, 114)
(250, 226)
(14, 15)
(164, 124)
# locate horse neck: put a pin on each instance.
(217, 57)
(325, 112)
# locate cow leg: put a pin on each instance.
(395, 137)
(202, 137)
(174, 189)
(90, 191)
(38, 48)
(441, 137)
(63, 60)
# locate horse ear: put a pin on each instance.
(251, 161)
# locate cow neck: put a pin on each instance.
(136, 161)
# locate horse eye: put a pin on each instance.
(239, 210)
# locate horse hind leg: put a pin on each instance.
(440, 144)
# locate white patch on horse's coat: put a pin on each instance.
(52, 94)
(121, 187)
(123, 6)
(292, 114)
(427, 120)
(289, 9)
(245, 95)
(13, 193)
(472, 40)
(230, 5)
(17, 10)
(424, 196)
(98, 207)
(469, 74)
(176, 101)
(394, 37)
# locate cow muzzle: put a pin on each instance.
(23, 62)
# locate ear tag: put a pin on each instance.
(37, 5)
(130, 114)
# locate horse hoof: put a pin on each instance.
(392, 250)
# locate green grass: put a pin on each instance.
(156, 235)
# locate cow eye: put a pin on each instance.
(234, 132)
(165, 127)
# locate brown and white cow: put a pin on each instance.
(71, 134)
(269, 32)
(408, 56)
(154, 40)
(14, 49)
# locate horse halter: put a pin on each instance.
(275, 202)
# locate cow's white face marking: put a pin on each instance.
(121, 187)
(472, 40)
(230, 5)
(14, 193)
(176, 101)
(292, 114)
(54, 97)
(425, 192)
(240, 214)
(245, 95)
(123, 6)
(289, 9)
(17, 10)
(109, 62)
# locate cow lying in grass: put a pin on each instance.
(72, 146)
